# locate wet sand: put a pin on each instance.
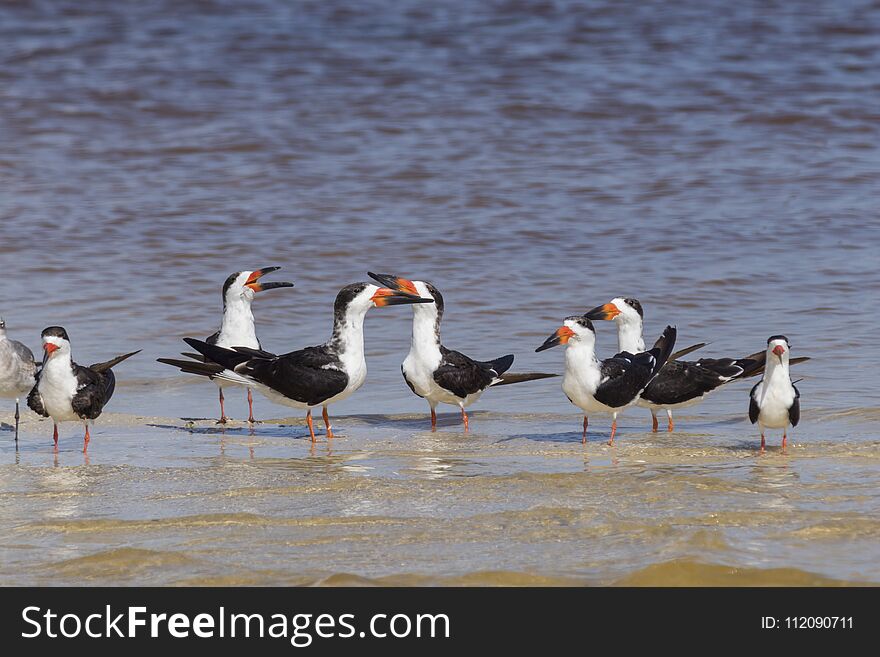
(518, 501)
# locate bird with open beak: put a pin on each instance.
(440, 375)
(237, 329)
(314, 376)
(66, 391)
(609, 385)
(774, 402)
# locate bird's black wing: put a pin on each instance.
(680, 381)
(212, 339)
(463, 376)
(754, 410)
(794, 413)
(309, 376)
(35, 399)
(624, 376)
(93, 390)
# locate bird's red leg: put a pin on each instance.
(654, 423)
(613, 431)
(464, 418)
(311, 426)
(433, 419)
(86, 440)
(223, 417)
(762, 442)
(671, 426)
(784, 438)
(55, 436)
(250, 406)
(327, 423)
(586, 424)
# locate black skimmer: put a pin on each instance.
(17, 370)
(679, 383)
(236, 330)
(314, 376)
(440, 375)
(67, 391)
(774, 402)
(610, 385)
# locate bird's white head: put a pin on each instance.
(778, 349)
(242, 286)
(575, 330)
(55, 343)
(621, 310)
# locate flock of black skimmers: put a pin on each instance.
(657, 378)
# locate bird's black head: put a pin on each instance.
(778, 337)
(55, 332)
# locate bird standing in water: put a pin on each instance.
(66, 391)
(610, 385)
(775, 402)
(17, 370)
(237, 329)
(440, 375)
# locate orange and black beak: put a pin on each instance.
(253, 280)
(779, 350)
(387, 297)
(48, 349)
(401, 285)
(561, 336)
(606, 311)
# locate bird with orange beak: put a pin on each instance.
(66, 391)
(440, 375)
(314, 376)
(775, 402)
(609, 385)
(237, 329)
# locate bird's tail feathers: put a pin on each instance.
(201, 368)
(228, 358)
(103, 367)
(234, 377)
(507, 379)
(681, 353)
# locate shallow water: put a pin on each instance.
(532, 159)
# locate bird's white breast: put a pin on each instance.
(775, 397)
(57, 387)
(581, 379)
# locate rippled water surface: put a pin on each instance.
(719, 161)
